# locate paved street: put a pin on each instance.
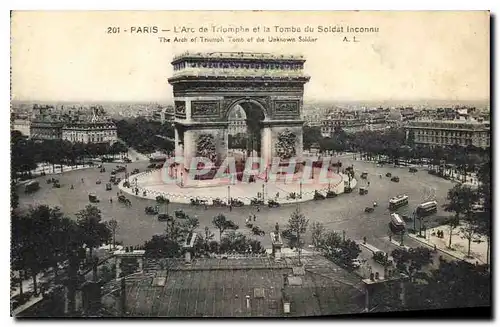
(345, 212)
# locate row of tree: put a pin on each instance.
(394, 144)
(146, 136)
(27, 153)
(45, 239)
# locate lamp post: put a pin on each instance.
(263, 199)
(300, 189)
(229, 194)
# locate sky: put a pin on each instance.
(70, 56)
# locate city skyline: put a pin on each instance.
(415, 55)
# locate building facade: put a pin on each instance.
(73, 126)
(90, 132)
(449, 132)
(46, 129)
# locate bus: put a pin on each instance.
(427, 208)
(398, 201)
(397, 223)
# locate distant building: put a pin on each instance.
(21, 125)
(46, 129)
(90, 132)
(73, 126)
(448, 132)
(237, 121)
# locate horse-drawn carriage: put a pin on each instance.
(119, 168)
(363, 191)
(135, 171)
(257, 231)
(273, 204)
(108, 187)
(164, 217)
(369, 209)
(237, 203)
(102, 170)
(318, 196)
(149, 210)
(93, 198)
(117, 181)
(198, 202)
(56, 184)
(256, 202)
(180, 214)
(124, 200)
(217, 202)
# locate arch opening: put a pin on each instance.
(245, 127)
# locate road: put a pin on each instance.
(345, 212)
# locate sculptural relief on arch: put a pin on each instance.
(207, 86)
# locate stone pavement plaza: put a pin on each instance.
(153, 182)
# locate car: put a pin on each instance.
(356, 263)
(369, 209)
(363, 191)
(395, 179)
(127, 160)
(388, 175)
(413, 170)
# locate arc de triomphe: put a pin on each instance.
(207, 86)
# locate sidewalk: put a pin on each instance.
(459, 245)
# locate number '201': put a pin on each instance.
(113, 30)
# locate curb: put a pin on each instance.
(432, 247)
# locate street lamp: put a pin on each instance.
(229, 194)
(263, 199)
(300, 189)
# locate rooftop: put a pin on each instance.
(219, 288)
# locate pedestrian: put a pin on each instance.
(258, 209)
(368, 183)
(254, 217)
(230, 208)
(72, 187)
(110, 200)
(82, 180)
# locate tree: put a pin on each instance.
(311, 135)
(94, 232)
(338, 250)
(297, 225)
(461, 199)
(161, 246)
(458, 284)
(222, 224)
(412, 260)
(113, 225)
(317, 230)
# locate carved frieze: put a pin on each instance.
(286, 107)
(180, 109)
(205, 108)
(285, 146)
(205, 147)
(231, 87)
